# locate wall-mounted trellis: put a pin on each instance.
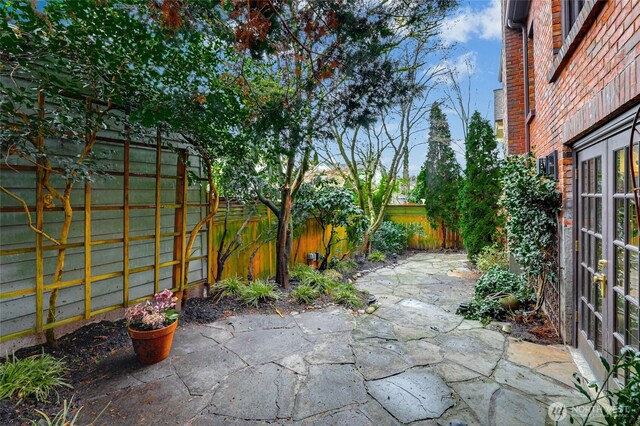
(102, 227)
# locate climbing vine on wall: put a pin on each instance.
(532, 203)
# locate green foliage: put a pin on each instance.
(377, 256)
(479, 197)
(493, 285)
(309, 276)
(331, 206)
(492, 256)
(300, 272)
(532, 203)
(621, 404)
(37, 376)
(64, 417)
(333, 274)
(391, 238)
(417, 194)
(229, 287)
(439, 178)
(305, 293)
(258, 291)
(345, 267)
(414, 230)
(347, 295)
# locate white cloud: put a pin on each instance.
(469, 22)
(462, 66)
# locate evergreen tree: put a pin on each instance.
(479, 197)
(439, 178)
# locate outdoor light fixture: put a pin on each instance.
(548, 165)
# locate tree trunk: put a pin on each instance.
(283, 246)
(220, 268)
(443, 232)
(327, 251)
(57, 277)
(405, 171)
(365, 249)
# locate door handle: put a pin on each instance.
(601, 279)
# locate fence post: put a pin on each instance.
(87, 250)
(156, 265)
(184, 191)
(178, 230)
(39, 218)
(125, 225)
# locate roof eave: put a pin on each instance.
(517, 11)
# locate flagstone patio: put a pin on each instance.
(413, 361)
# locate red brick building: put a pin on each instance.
(570, 75)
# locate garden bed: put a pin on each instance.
(86, 348)
(535, 328)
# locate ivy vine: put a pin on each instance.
(532, 203)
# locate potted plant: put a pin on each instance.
(151, 326)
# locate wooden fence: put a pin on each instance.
(129, 234)
(127, 238)
(431, 239)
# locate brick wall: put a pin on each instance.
(513, 82)
(582, 86)
(580, 82)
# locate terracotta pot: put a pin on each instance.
(153, 345)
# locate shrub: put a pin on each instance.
(322, 283)
(307, 275)
(301, 272)
(390, 238)
(492, 256)
(333, 274)
(64, 416)
(345, 267)
(230, 286)
(305, 293)
(347, 295)
(377, 256)
(258, 291)
(491, 287)
(36, 376)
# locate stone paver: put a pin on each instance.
(416, 394)
(412, 361)
(327, 388)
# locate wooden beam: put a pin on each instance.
(87, 250)
(125, 220)
(210, 235)
(180, 213)
(156, 271)
(185, 195)
(40, 219)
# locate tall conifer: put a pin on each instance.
(480, 212)
(439, 179)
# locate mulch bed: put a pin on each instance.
(84, 349)
(534, 328)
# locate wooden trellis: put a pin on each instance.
(179, 205)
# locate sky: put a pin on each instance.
(474, 32)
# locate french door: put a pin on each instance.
(608, 258)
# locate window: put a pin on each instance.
(571, 10)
